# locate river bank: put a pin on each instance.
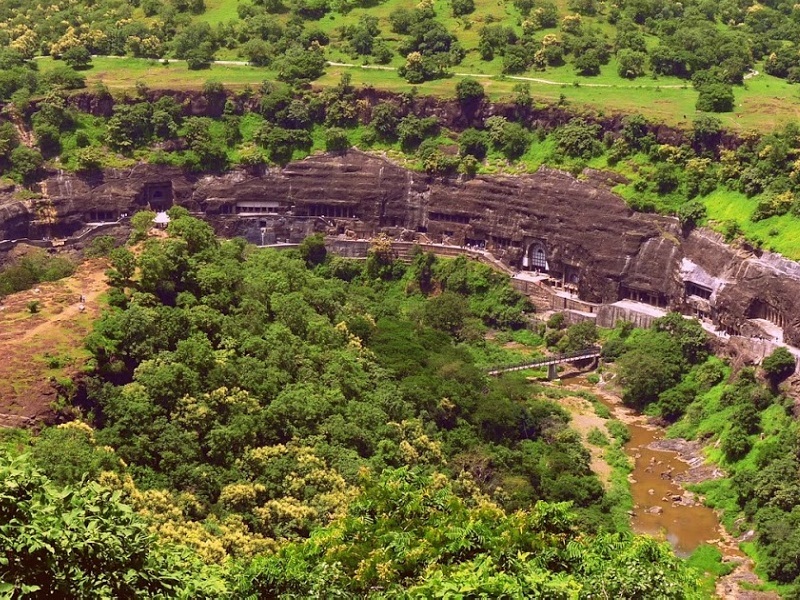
(662, 507)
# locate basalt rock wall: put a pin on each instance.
(578, 230)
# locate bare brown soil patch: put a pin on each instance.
(38, 348)
(583, 421)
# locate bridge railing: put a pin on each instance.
(589, 352)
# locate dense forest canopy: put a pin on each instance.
(298, 424)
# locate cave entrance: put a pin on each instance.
(761, 310)
(695, 289)
(102, 216)
(158, 196)
(656, 299)
(535, 259)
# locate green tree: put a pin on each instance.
(469, 92)
(513, 140)
(48, 138)
(779, 365)
(578, 337)
(578, 139)
(666, 177)
(385, 120)
(83, 542)
(691, 213)
(687, 333)
(26, 163)
(631, 63)
(588, 63)
(652, 364)
(473, 142)
(257, 52)
(313, 250)
(300, 64)
(123, 263)
(715, 97)
(77, 57)
(281, 143)
(130, 126)
(89, 159)
(141, 223)
(462, 7)
(412, 130)
(336, 140)
(446, 312)
(64, 78)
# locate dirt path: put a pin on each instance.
(36, 348)
(584, 419)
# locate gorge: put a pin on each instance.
(573, 243)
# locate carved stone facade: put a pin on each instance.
(577, 232)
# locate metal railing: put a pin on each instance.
(562, 357)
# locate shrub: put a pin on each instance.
(462, 7)
(779, 365)
(715, 97)
(597, 437)
(100, 246)
(556, 321)
(691, 213)
(578, 139)
(469, 92)
(336, 140)
(473, 142)
(77, 57)
(736, 443)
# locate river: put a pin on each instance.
(662, 508)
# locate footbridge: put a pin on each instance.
(551, 362)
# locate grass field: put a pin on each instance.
(777, 234)
(219, 11)
(766, 102)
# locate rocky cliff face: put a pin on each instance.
(576, 230)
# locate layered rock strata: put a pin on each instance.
(577, 231)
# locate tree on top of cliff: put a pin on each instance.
(300, 65)
(469, 92)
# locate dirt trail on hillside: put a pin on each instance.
(584, 419)
(37, 347)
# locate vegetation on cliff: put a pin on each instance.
(747, 187)
(744, 187)
(747, 423)
(306, 424)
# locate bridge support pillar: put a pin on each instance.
(552, 371)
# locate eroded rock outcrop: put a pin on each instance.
(576, 230)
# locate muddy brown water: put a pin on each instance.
(656, 511)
